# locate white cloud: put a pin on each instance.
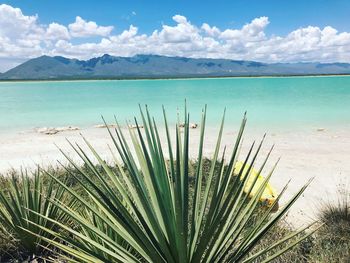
(20, 35)
(253, 31)
(23, 37)
(14, 24)
(211, 31)
(180, 19)
(183, 32)
(127, 34)
(82, 28)
(56, 32)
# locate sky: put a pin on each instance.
(267, 31)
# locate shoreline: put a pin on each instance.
(173, 78)
(322, 155)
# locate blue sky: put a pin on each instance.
(268, 31)
(284, 15)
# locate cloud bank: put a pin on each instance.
(22, 37)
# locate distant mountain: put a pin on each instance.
(153, 66)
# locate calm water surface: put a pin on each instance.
(297, 102)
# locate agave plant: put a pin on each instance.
(150, 212)
(25, 194)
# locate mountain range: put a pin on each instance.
(154, 66)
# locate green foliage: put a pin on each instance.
(24, 202)
(147, 211)
(298, 254)
(332, 242)
(7, 244)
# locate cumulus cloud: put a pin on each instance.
(56, 32)
(82, 28)
(211, 31)
(20, 35)
(183, 32)
(23, 37)
(14, 24)
(253, 31)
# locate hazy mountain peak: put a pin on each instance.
(141, 66)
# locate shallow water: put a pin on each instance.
(286, 102)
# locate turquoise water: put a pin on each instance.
(280, 102)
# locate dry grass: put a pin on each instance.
(333, 239)
(329, 244)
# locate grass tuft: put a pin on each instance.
(332, 243)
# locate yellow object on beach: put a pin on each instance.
(269, 195)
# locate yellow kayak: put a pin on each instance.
(269, 195)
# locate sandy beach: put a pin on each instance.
(75, 75)
(322, 154)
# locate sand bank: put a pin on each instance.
(321, 154)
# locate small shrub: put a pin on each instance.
(22, 204)
(332, 243)
(148, 211)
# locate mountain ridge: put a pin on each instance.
(156, 66)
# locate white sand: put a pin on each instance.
(324, 155)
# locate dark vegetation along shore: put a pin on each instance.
(170, 77)
(150, 209)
